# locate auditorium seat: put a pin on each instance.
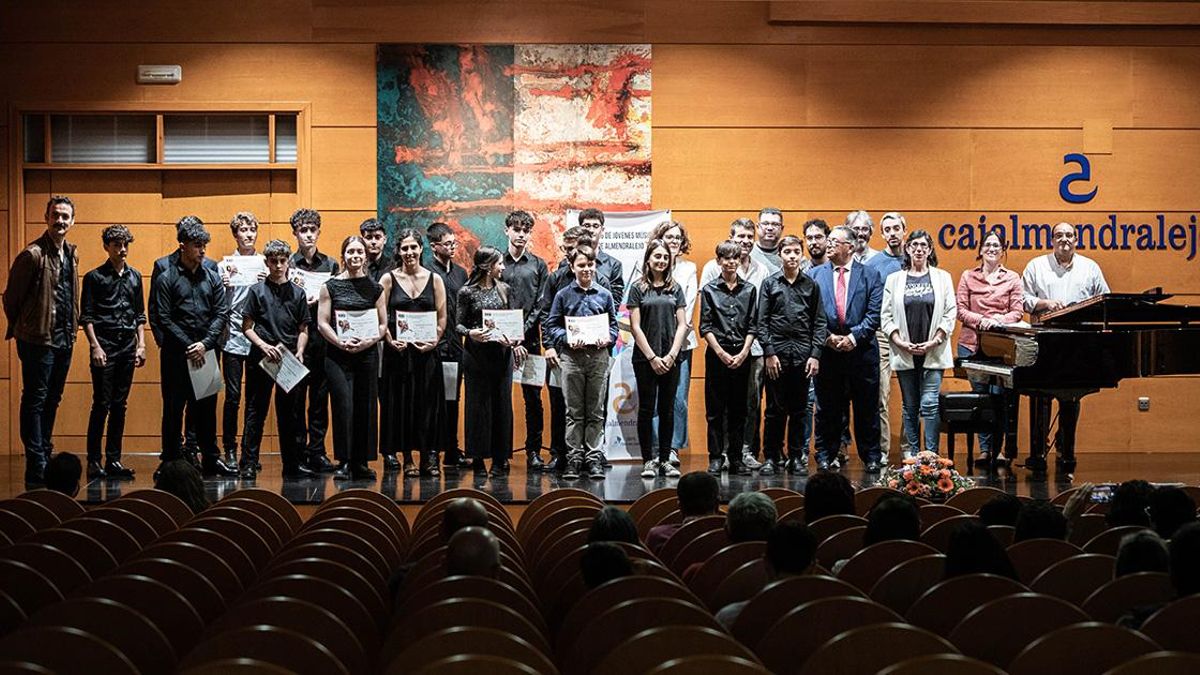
(119, 543)
(1112, 600)
(365, 531)
(709, 664)
(822, 528)
(278, 522)
(658, 514)
(798, 634)
(60, 504)
(253, 544)
(608, 595)
(552, 548)
(66, 572)
(1090, 647)
(786, 503)
(637, 510)
(211, 565)
(191, 583)
(1160, 663)
(1085, 528)
(1034, 556)
(11, 614)
(235, 666)
(840, 545)
(969, 500)
(169, 503)
(795, 515)
(701, 548)
(165, 607)
(529, 522)
(473, 664)
(241, 563)
(82, 548)
(304, 617)
(345, 547)
(359, 509)
(129, 631)
(65, 650)
(369, 598)
(453, 612)
(39, 517)
(1075, 578)
(866, 566)
(624, 620)
(238, 510)
(283, 507)
(555, 519)
(941, 607)
(14, 528)
(866, 498)
(132, 523)
(998, 630)
(468, 640)
(28, 586)
(938, 534)
(778, 598)
(868, 649)
(898, 588)
(645, 650)
(942, 664)
(721, 564)
(329, 595)
(1108, 541)
(286, 648)
(932, 514)
(685, 535)
(480, 588)
(159, 520)
(741, 584)
(431, 509)
(1003, 534)
(1174, 626)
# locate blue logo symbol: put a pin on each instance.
(1084, 174)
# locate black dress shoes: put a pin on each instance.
(715, 465)
(533, 461)
(94, 470)
(478, 467)
(321, 464)
(801, 466)
(230, 457)
(873, 467)
(117, 470)
(390, 463)
(555, 463)
(218, 468)
(768, 468)
(299, 471)
(429, 467)
(248, 472)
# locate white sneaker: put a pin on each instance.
(674, 458)
(650, 470)
(749, 461)
(670, 471)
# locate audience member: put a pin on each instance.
(473, 551)
(63, 472)
(1142, 552)
(1130, 503)
(604, 561)
(975, 550)
(892, 517)
(698, 497)
(1039, 519)
(181, 478)
(827, 494)
(1185, 560)
(463, 512)
(613, 524)
(791, 551)
(751, 517)
(1171, 509)
(1000, 510)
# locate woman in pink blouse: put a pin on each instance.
(988, 296)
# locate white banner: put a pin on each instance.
(625, 236)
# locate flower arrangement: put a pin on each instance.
(926, 475)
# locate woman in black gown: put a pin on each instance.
(487, 366)
(411, 370)
(352, 363)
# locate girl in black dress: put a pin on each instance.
(487, 366)
(352, 363)
(411, 370)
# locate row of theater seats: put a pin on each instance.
(141, 585)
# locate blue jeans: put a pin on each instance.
(985, 439)
(44, 372)
(919, 389)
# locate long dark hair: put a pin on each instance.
(646, 281)
(912, 236)
(406, 233)
(485, 258)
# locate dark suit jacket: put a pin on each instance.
(864, 297)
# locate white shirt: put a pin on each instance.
(1046, 279)
(237, 342)
(685, 276)
(753, 274)
(849, 267)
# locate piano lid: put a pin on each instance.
(1122, 308)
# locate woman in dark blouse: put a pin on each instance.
(660, 325)
(352, 362)
(411, 370)
(487, 366)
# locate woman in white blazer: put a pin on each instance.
(918, 315)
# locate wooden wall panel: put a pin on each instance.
(284, 199)
(215, 196)
(343, 169)
(108, 197)
(722, 169)
(150, 241)
(740, 86)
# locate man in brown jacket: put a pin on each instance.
(41, 304)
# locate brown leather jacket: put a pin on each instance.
(29, 298)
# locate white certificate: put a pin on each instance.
(554, 377)
(206, 380)
(358, 323)
(504, 323)
(416, 327)
(311, 282)
(287, 373)
(532, 371)
(244, 270)
(450, 380)
(587, 329)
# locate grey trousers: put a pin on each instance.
(585, 380)
(754, 394)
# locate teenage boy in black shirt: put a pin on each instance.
(306, 225)
(113, 315)
(443, 243)
(526, 275)
(275, 318)
(728, 324)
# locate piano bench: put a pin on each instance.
(969, 413)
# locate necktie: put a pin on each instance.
(840, 296)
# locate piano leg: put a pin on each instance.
(1064, 442)
(1010, 420)
(1039, 427)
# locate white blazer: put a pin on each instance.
(945, 310)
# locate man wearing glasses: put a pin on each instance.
(1053, 281)
(444, 243)
(851, 294)
(766, 249)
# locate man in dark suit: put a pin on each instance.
(851, 294)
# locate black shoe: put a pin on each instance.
(117, 470)
(498, 470)
(1036, 464)
(533, 461)
(596, 471)
(429, 467)
(1064, 465)
(94, 470)
(801, 465)
(790, 465)
(715, 465)
(257, 465)
(554, 464)
(768, 468)
(478, 467)
(342, 472)
(505, 466)
(572, 471)
(842, 458)
(822, 465)
(739, 469)
(873, 467)
(299, 471)
(390, 463)
(218, 468)
(35, 475)
(248, 472)
(321, 464)
(362, 472)
(230, 457)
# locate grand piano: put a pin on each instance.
(1081, 349)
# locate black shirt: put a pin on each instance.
(62, 331)
(191, 307)
(611, 276)
(791, 318)
(454, 278)
(279, 312)
(378, 267)
(161, 266)
(320, 263)
(656, 307)
(526, 279)
(114, 305)
(730, 314)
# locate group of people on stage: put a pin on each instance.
(817, 322)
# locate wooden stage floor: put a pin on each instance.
(623, 484)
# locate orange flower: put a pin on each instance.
(893, 483)
(914, 488)
(907, 475)
(945, 473)
(926, 470)
(945, 484)
(944, 462)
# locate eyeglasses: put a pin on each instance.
(839, 242)
(992, 247)
(918, 245)
(774, 226)
(447, 244)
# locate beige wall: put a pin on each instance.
(942, 122)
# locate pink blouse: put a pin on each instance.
(978, 298)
